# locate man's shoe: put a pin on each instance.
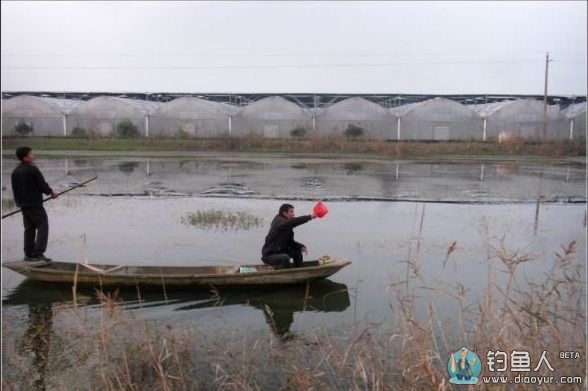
(31, 259)
(43, 258)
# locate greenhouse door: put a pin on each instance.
(440, 132)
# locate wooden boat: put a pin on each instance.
(175, 276)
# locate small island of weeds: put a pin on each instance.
(222, 220)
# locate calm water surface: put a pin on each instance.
(381, 213)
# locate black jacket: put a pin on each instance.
(281, 235)
(28, 185)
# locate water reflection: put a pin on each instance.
(313, 183)
(128, 168)
(395, 180)
(278, 304)
(353, 168)
(37, 340)
(507, 169)
(234, 188)
(80, 162)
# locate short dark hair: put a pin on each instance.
(285, 208)
(22, 152)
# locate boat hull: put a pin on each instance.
(198, 276)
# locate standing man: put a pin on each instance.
(280, 245)
(28, 187)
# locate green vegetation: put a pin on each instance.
(78, 131)
(182, 134)
(353, 131)
(298, 132)
(323, 145)
(23, 128)
(127, 129)
(222, 220)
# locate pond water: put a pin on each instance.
(381, 214)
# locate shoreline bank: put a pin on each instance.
(323, 147)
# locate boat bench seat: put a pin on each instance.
(102, 271)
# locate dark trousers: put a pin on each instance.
(283, 259)
(36, 230)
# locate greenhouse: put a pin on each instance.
(359, 115)
(111, 116)
(272, 117)
(575, 115)
(189, 116)
(522, 118)
(36, 116)
(437, 119)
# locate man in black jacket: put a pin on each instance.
(280, 245)
(28, 187)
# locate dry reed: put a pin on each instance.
(411, 353)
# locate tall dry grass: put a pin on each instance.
(115, 350)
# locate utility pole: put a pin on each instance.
(544, 135)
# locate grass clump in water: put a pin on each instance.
(222, 220)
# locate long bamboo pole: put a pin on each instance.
(50, 198)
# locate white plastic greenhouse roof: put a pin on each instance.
(275, 99)
(405, 109)
(487, 109)
(64, 106)
(145, 106)
(575, 109)
(230, 109)
(223, 107)
(355, 101)
(311, 111)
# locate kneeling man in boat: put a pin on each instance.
(280, 245)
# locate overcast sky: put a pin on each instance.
(295, 47)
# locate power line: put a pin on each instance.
(227, 55)
(264, 66)
(288, 55)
